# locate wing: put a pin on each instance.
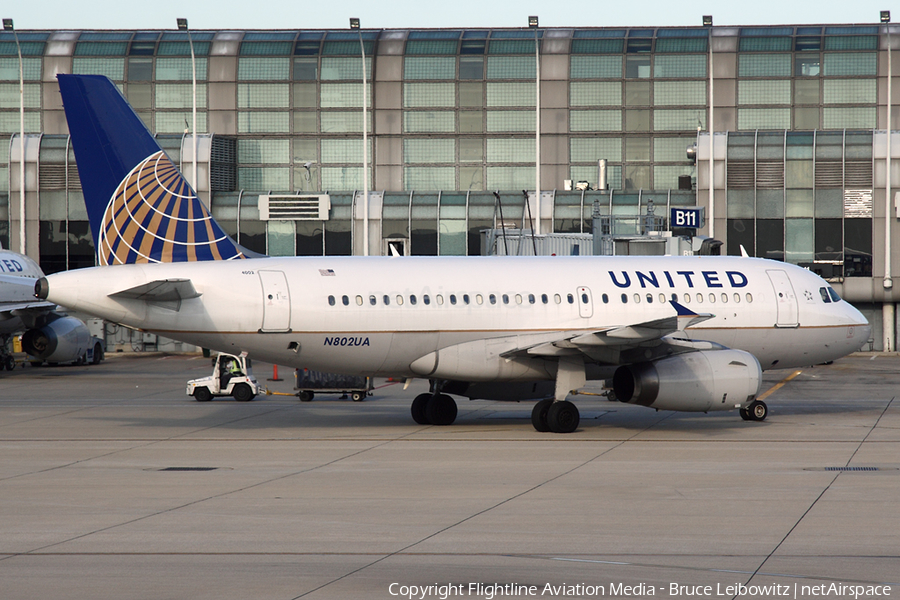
(607, 345)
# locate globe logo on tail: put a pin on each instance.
(154, 216)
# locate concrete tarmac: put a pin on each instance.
(116, 485)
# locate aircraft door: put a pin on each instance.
(276, 302)
(585, 304)
(785, 297)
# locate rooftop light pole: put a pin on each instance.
(354, 24)
(708, 23)
(183, 26)
(533, 24)
(888, 281)
(8, 26)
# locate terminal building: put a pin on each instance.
(454, 143)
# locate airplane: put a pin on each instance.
(48, 334)
(672, 332)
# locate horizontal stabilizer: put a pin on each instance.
(165, 293)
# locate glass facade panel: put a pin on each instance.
(850, 91)
(799, 235)
(344, 151)
(770, 204)
(769, 91)
(9, 95)
(429, 178)
(510, 150)
(764, 118)
(595, 120)
(345, 68)
(510, 178)
(429, 67)
(471, 67)
(177, 122)
(829, 203)
(343, 122)
(764, 65)
(179, 69)
(9, 68)
(262, 179)
(429, 122)
(510, 94)
(671, 120)
(595, 93)
(741, 205)
(510, 120)
(511, 67)
(595, 67)
(263, 151)
(263, 95)
(430, 151)
(798, 203)
(423, 95)
(850, 63)
(667, 93)
(263, 69)
(672, 149)
(593, 149)
(264, 122)
(862, 117)
(682, 66)
(344, 95)
(342, 178)
(114, 68)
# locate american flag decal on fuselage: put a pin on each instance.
(154, 216)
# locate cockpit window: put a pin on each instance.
(829, 295)
(833, 294)
(824, 293)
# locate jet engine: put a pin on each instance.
(60, 339)
(695, 381)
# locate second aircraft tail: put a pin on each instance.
(140, 206)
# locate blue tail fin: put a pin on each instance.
(140, 206)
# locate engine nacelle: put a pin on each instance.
(64, 339)
(479, 360)
(695, 381)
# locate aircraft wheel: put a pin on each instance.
(441, 410)
(539, 415)
(418, 409)
(242, 393)
(358, 396)
(9, 362)
(98, 354)
(745, 414)
(563, 417)
(202, 394)
(758, 410)
(305, 396)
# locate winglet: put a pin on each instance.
(687, 317)
(140, 206)
(682, 310)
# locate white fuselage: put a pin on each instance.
(378, 315)
(17, 276)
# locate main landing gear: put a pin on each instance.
(755, 411)
(558, 416)
(434, 409)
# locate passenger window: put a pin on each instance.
(570, 298)
(440, 299)
(557, 299)
(453, 299)
(426, 299)
(518, 298)
(737, 297)
(399, 300)
(359, 301)
(493, 299)
(662, 298)
(412, 299)
(674, 297)
(466, 299)
(387, 300)
(749, 297)
(624, 298)
(530, 298)
(372, 300)
(724, 297)
(605, 299)
(505, 299)
(584, 298)
(544, 298)
(345, 300)
(649, 298)
(330, 300)
(479, 299)
(687, 298)
(637, 298)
